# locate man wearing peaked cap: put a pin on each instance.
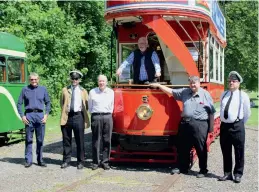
(74, 117)
(76, 74)
(234, 113)
(235, 76)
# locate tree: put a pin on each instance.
(52, 40)
(242, 41)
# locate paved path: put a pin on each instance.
(137, 178)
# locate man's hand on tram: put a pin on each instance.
(158, 74)
(155, 85)
(25, 121)
(118, 72)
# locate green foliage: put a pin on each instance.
(242, 41)
(96, 56)
(59, 37)
(52, 40)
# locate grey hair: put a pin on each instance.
(102, 76)
(34, 74)
(194, 78)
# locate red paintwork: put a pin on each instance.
(142, 31)
(164, 120)
(158, 12)
(173, 41)
(215, 90)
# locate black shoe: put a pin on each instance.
(80, 166)
(202, 174)
(42, 164)
(27, 165)
(184, 171)
(237, 179)
(94, 166)
(175, 171)
(65, 165)
(227, 176)
(106, 166)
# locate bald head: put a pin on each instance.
(142, 43)
(102, 82)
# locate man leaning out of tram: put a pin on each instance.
(145, 61)
(194, 126)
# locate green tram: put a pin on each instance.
(13, 77)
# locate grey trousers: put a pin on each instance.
(101, 125)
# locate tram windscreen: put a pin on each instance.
(2, 69)
(126, 50)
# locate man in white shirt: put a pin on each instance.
(101, 104)
(234, 113)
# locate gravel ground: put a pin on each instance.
(14, 177)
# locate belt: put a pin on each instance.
(187, 119)
(74, 113)
(101, 113)
(33, 110)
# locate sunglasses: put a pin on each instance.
(234, 81)
(75, 79)
(33, 79)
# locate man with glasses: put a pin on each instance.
(146, 65)
(34, 97)
(234, 113)
(74, 106)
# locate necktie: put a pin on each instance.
(227, 106)
(72, 100)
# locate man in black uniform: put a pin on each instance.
(234, 113)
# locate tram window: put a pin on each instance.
(221, 68)
(16, 71)
(126, 50)
(217, 65)
(211, 63)
(2, 69)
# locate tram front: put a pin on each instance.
(145, 119)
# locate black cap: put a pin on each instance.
(234, 77)
(75, 74)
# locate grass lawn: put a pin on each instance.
(253, 120)
(53, 130)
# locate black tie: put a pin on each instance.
(227, 106)
(72, 100)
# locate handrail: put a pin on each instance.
(139, 85)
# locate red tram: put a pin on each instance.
(189, 37)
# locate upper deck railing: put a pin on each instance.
(208, 10)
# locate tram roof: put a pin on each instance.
(11, 42)
(206, 10)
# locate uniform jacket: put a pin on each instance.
(65, 103)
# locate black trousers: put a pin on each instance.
(75, 122)
(192, 133)
(233, 134)
(101, 126)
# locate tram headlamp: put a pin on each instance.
(144, 112)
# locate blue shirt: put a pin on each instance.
(142, 73)
(34, 98)
(197, 106)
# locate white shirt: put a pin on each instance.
(78, 99)
(245, 111)
(101, 101)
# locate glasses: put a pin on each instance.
(33, 79)
(234, 81)
(74, 79)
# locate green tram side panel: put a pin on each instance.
(9, 120)
(11, 42)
